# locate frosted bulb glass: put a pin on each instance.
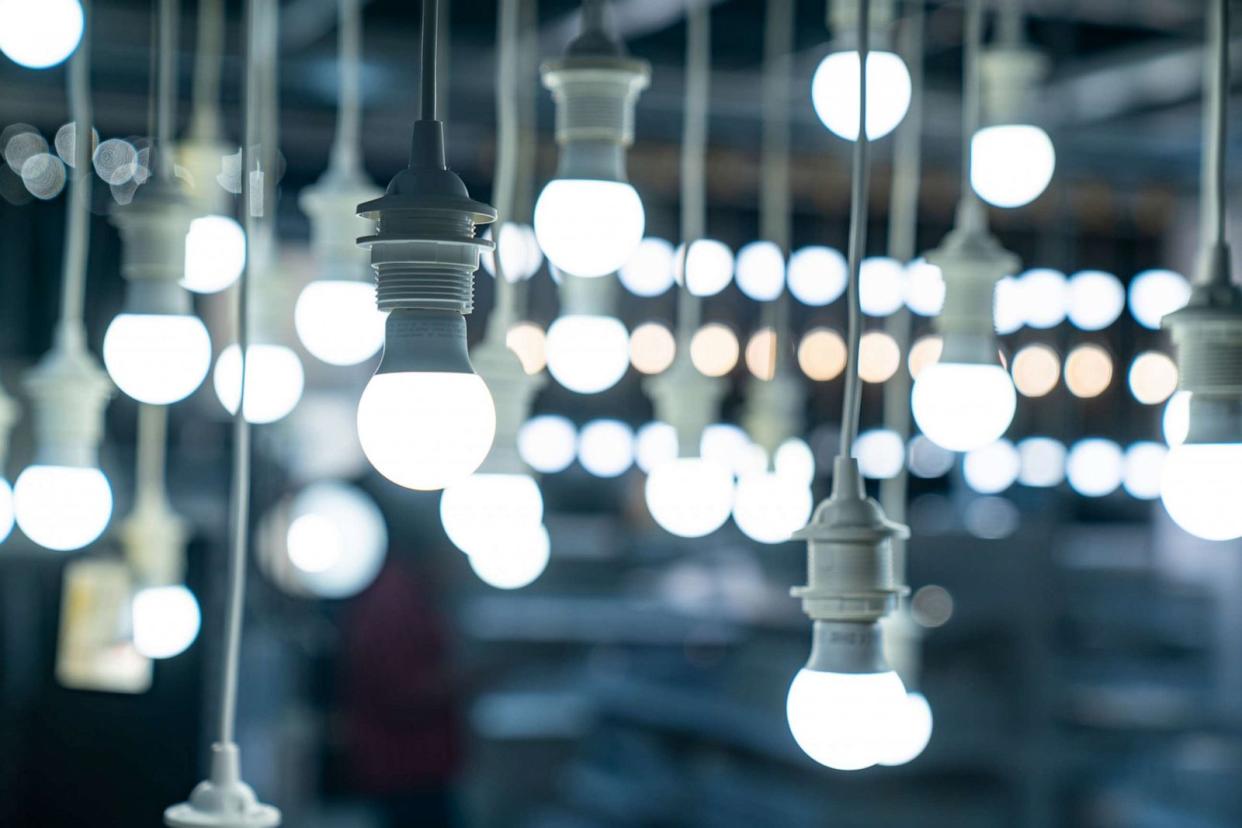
(649, 272)
(962, 407)
(426, 430)
(769, 507)
(215, 252)
(842, 720)
(760, 270)
(909, 732)
(588, 354)
(62, 507)
(514, 561)
(1201, 488)
(484, 509)
(157, 358)
(6, 509)
(834, 92)
(690, 497)
(337, 539)
(166, 621)
(1010, 165)
(40, 34)
(588, 227)
(338, 322)
(274, 381)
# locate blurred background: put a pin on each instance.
(1081, 654)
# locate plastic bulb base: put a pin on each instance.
(223, 801)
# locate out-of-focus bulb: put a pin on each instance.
(166, 621)
(769, 507)
(40, 34)
(157, 358)
(62, 507)
(963, 406)
(481, 511)
(690, 497)
(337, 321)
(588, 354)
(215, 253)
(274, 381)
(909, 732)
(834, 92)
(1011, 164)
(843, 720)
(1201, 487)
(514, 561)
(6, 509)
(588, 227)
(336, 539)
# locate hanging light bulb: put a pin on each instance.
(1201, 485)
(426, 419)
(8, 416)
(589, 220)
(835, 87)
(1012, 160)
(40, 35)
(588, 348)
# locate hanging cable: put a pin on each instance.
(971, 96)
(166, 114)
(1009, 25)
(1214, 178)
(77, 204)
(694, 158)
(774, 199)
(208, 59)
(345, 148)
(427, 80)
(152, 450)
(507, 30)
(860, 179)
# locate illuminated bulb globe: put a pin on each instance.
(166, 621)
(962, 407)
(909, 732)
(157, 358)
(336, 539)
(274, 381)
(760, 270)
(337, 321)
(62, 507)
(547, 443)
(215, 252)
(588, 354)
(1201, 488)
(588, 227)
(42, 33)
(1010, 165)
(514, 561)
(6, 509)
(843, 720)
(690, 497)
(649, 272)
(834, 92)
(769, 507)
(426, 430)
(483, 509)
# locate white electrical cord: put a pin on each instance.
(971, 95)
(693, 159)
(774, 201)
(166, 113)
(507, 29)
(73, 269)
(430, 44)
(860, 179)
(151, 453)
(208, 58)
(346, 152)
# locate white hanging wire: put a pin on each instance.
(346, 147)
(71, 329)
(208, 60)
(693, 159)
(774, 197)
(508, 27)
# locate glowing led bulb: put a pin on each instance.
(588, 354)
(480, 511)
(166, 621)
(215, 252)
(337, 321)
(514, 561)
(588, 227)
(963, 406)
(1201, 487)
(842, 720)
(274, 381)
(1011, 164)
(908, 733)
(157, 358)
(690, 497)
(62, 507)
(6, 509)
(834, 92)
(40, 34)
(336, 539)
(769, 507)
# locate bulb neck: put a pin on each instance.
(582, 296)
(592, 160)
(595, 96)
(971, 262)
(1010, 75)
(847, 647)
(687, 400)
(157, 297)
(1207, 333)
(68, 393)
(425, 341)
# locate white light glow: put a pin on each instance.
(166, 621)
(649, 272)
(62, 507)
(274, 381)
(215, 253)
(924, 289)
(690, 497)
(588, 354)
(795, 460)
(992, 468)
(41, 33)
(652, 348)
(606, 448)
(1156, 293)
(908, 732)
(1153, 377)
(547, 443)
(962, 407)
(1096, 299)
(769, 507)
(337, 539)
(726, 444)
(834, 93)
(1144, 465)
(1094, 467)
(843, 720)
(928, 460)
(817, 275)
(760, 271)
(882, 286)
(589, 227)
(1011, 164)
(654, 444)
(520, 255)
(516, 561)
(1175, 423)
(1043, 295)
(426, 430)
(338, 322)
(1201, 488)
(880, 453)
(157, 358)
(6, 509)
(1007, 311)
(709, 265)
(481, 510)
(1042, 462)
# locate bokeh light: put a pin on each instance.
(817, 275)
(924, 288)
(1088, 371)
(1094, 467)
(547, 443)
(1036, 370)
(760, 270)
(1042, 462)
(1096, 299)
(1144, 463)
(649, 272)
(882, 286)
(654, 443)
(528, 341)
(926, 351)
(652, 348)
(1153, 377)
(928, 460)
(880, 453)
(821, 354)
(992, 468)
(709, 266)
(1156, 293)
(761, 354)
(606, 448)
(878, 357)
(714, 350)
